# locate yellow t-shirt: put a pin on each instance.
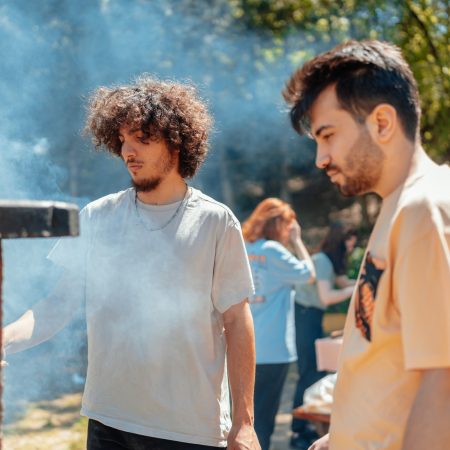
(399, 316)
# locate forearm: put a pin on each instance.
(429, 419)
(17, 335)
(241, 366)
(343, 281)
(333, 296)
(45, 319)
(302, 253)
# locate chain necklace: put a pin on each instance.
(182, 204)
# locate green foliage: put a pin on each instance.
(419, 27)
(353, 264)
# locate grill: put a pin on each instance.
(27, 219)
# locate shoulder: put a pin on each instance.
(213, 209)
(320, 258)
(274, 248)
(322, 263)
(423, 210)
(107, 203)
(425, 204)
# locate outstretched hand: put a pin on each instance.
(243, 438)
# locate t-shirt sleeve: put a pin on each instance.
(422, 290)
(323, 266)
(232, 279)
(70, 252)
(285, 267)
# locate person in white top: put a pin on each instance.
(164, 275)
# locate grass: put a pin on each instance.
(51, 424)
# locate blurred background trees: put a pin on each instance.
(239, 52)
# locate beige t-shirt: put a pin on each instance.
(399, 316)
(154, 306)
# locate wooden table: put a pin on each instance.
(320, 421)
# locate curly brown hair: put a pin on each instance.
(365, 74)
(161, 110)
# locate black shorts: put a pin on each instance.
(102, 437)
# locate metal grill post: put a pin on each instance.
(25, 219)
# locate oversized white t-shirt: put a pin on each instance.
(154, 304)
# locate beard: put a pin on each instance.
(163, 167)
(147, 184)
(363, 166)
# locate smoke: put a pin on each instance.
(53, 54)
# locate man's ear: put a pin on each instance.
(382, 123)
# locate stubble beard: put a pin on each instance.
(147, 184)
(363, 166)
(164, 165)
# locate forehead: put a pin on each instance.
(326, 110)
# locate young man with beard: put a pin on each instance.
(360, 103)
(163, 271)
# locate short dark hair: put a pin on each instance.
(365, 74)
(161, 110)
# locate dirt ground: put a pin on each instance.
(56, 424)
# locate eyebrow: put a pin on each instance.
(320, 129)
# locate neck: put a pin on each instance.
(400, 164)
(168, 191)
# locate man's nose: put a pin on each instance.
(322, 158)
(127, 150)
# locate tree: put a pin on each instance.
(419, 27)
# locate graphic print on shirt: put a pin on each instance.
(366, 293)
(258, 264)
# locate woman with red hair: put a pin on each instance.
(269, 230)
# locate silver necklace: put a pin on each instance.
(145, 225)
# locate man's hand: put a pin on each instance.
(243, 438)
(321, 444)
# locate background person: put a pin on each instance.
(332, 286)
(268, 231)
(360, 103)
(164, 274)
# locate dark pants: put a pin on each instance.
(102, 437)
(269, 383)
(308, 328)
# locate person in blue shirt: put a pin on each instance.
(269, 230)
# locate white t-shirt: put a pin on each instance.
(154, 304)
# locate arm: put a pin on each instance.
(46, 318)
(343, 281)
(240, 339)
(300, 250)
(428, 422)
(330, 296)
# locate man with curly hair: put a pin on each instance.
(165, 278)
(360, 103)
